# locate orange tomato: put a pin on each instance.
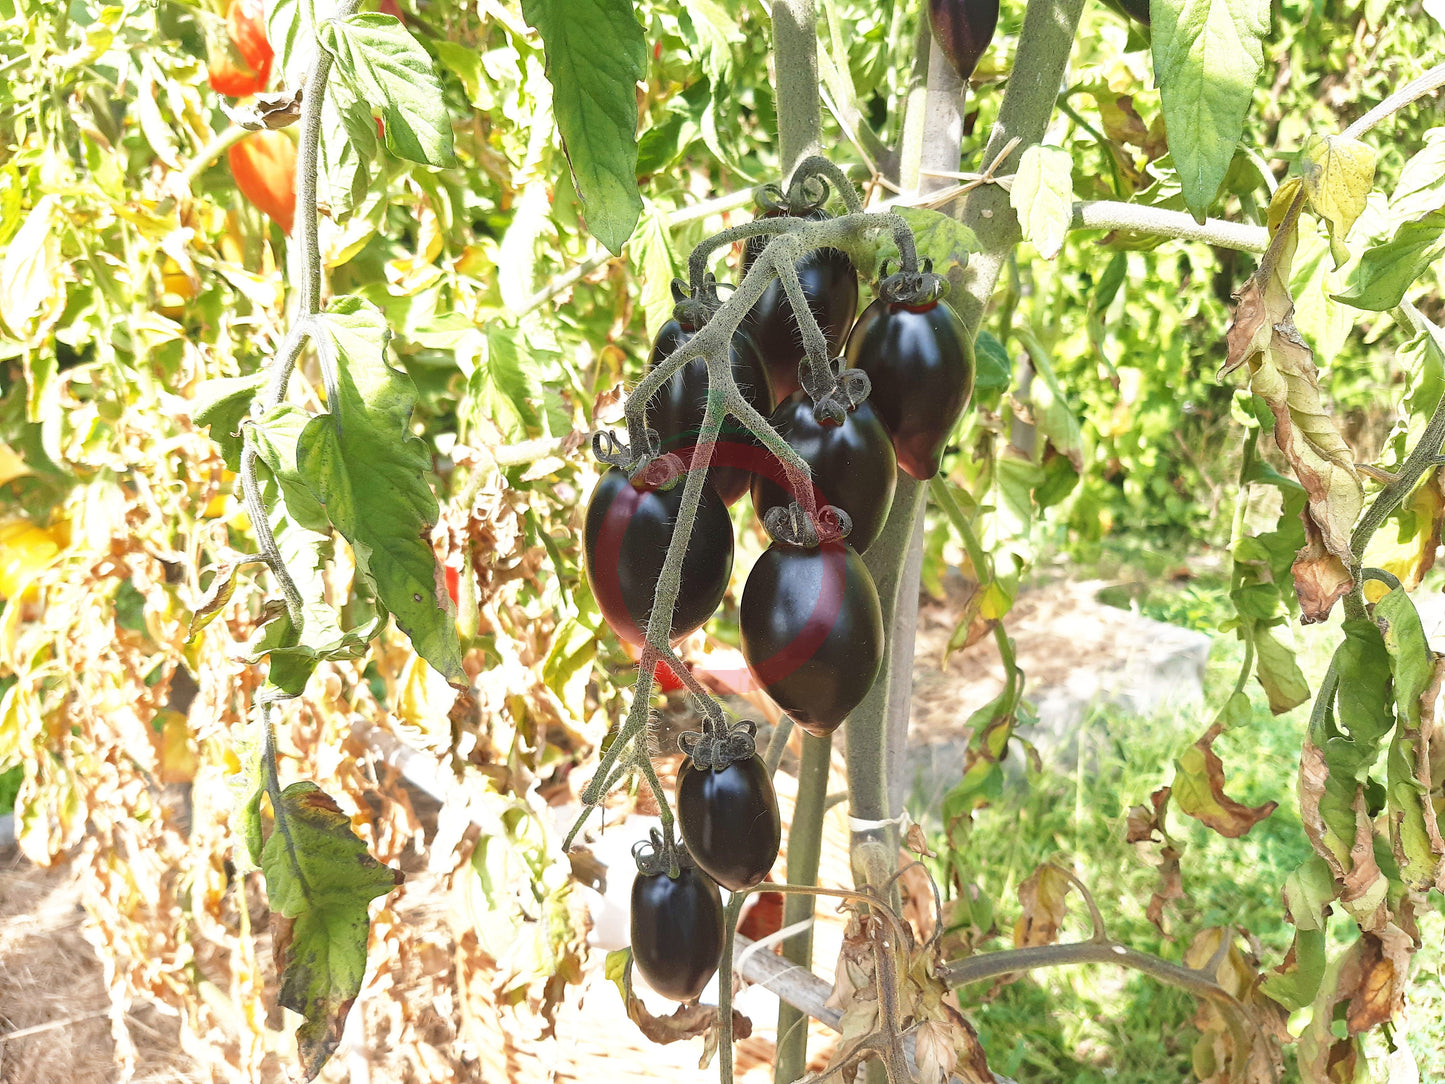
(264, 165)
(238, 60)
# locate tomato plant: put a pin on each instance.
(264, 166)
(677, 925)
(812, 631)
(628, 529)
(919, 357)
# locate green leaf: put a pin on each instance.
(247, 786)
(1043, 197)
(506, 387)
(651, 251)
(1207, 59)
(1308, 892)
(277, 434)
(941, 239)
(717, 31)
(1297, 982)
(1421, 187)
(387, 68)
(363, 464)
(320, 879)
(993, 369)
(1363, 704)
(1278, 672)
(222, 404)
(614, 969)
(1387, 271)
(346, 151)
(596, 54)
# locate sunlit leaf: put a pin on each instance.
(363, 464)
(1043, 197)
(1338, 175)
(1386, 272)
(1207, 58)
(388, 69)
(596, 54)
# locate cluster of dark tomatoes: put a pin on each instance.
(810, 619)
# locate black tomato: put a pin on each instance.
(831, 286)
(812, 631)
(729, 820)
(1138, 10)
(676, 411)
(677, 931)
(920, 362)
(627, 534)
(963, 30)
(853, 465)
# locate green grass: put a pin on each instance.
(1091, 1025)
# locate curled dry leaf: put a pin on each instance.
(1282, 372)
(687, 1022)
(1199, 790)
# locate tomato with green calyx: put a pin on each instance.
(677, 926)
(812, 631)
(677, 408)
(853, 465)
(264, 166)
(963, 30)
(727, 808)
(628, 529)
(919, 360)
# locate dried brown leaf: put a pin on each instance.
(1282, 372)
(1374, 978)
(1044, 899)
(687, 1022)
(1171, 887)
(1145, 822)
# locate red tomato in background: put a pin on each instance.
(390, 7)
(264, 165)
(239, 61)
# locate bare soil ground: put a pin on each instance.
(53, 1005)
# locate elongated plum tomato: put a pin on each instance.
(238, 58)
(676, 411)
(264, 166)
(963, 30)
(853, 465)
(812, 631)
(831, 286)
(920, 362)
(729, 820)
(677, 931)
(627, 533)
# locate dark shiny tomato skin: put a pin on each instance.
(677, 931)
(1138, 10)
(729, 820)
(963, 30)
(812, 631)
(627, 534)
(676, 410)
(831, 286)
(853, 465)
(920, 363)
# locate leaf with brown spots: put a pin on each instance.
(320, 880)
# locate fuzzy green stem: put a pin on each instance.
(795, 61)
(725, 989)
(805, 844)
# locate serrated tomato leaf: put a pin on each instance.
(596, 53)
(384, 66)
(1207, 58)
(319, 879)
(369, 472)
(1385, 272)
